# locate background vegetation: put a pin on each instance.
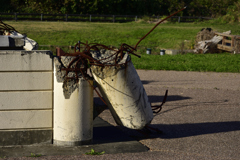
(213, 8)
(165, 36)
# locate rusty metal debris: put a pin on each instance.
(83, 59)
(6, 29)
(9, 32)
(113, 61)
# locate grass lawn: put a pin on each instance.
(165, 36)
(223, 62)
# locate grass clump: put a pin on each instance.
(93, 152)
(35, 155)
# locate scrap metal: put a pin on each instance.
(84, 59)
(87, 57)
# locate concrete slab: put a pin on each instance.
(11, 41)
(106, 138)
(177, 51)
(15, 60)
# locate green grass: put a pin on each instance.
(165, 36)
(189, 62)
(35, 155)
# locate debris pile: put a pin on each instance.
(208, 41)
(13, 37)
(69, 84)
(204, 34)
(116, 78)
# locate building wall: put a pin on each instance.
(26, 97)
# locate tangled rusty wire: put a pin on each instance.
(85, 56)
(84, 59)
(5, 27)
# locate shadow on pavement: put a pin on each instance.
(173, 131)
(103, 132)
(153, 99)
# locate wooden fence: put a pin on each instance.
(89, 17)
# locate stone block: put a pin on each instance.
(25, 81)
(25, 60)
(11, 41)
(25, 100)
(4, 42)
(25, 119)
(25, 137)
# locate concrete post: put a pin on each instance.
(66, 18)
(124, 94)
(15, 18)
(73, 117)
(179, 19)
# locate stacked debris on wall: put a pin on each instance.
(10, 37)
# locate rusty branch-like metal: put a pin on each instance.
(84, 58)
(156, 26)
(6, 27)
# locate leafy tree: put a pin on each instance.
(212, 8)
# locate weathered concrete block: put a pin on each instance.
(25, 97)
(25, 119)
(26, 100)
(11, 41)
(25, 60)
(4, 42)
(25, 137)
(25, 81)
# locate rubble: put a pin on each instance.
(208, 41)
(69, 85)
(116, 78)
(10, 37)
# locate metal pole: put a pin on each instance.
(66, 17)
(113, 18)
(15, 16)
(179, 19)
(41, 16)
(90, 18)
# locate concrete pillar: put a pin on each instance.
(125, 95)
(73, 117)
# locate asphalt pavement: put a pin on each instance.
(200, 120)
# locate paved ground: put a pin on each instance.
(199, 121)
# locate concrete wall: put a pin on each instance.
(26, 97)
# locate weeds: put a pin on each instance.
(34, 155)
(93, 152)
(4, 157)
